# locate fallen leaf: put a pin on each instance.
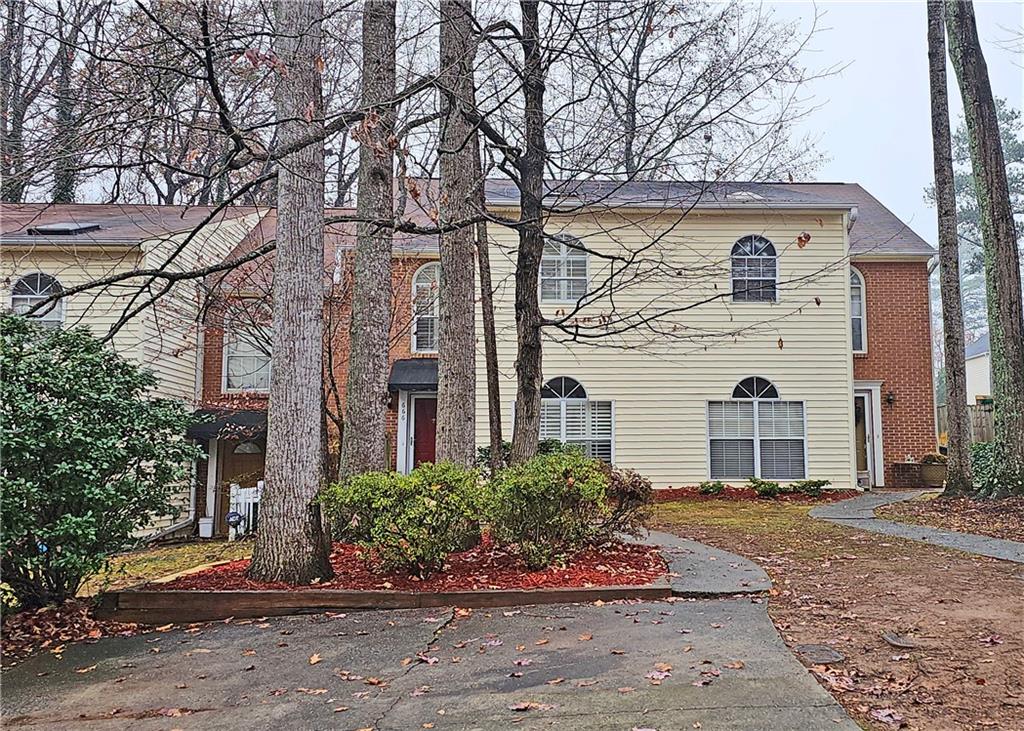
(542, 642)
(85, 670)
(314, 659)
(585, 637)
(530, 706)
(554, 681)
(738, 665)
(311, 691)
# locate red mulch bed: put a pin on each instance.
(669, 494)
(484, 567)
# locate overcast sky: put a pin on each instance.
(874, 121)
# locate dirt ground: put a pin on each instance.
(845, 588)
(997, 518)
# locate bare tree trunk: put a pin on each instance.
(64, 163)
(363, 447)
(460, 175)
(999, 244)
(12, 119)
(958, 478)
(531, 242)
(291, 545)
(490, 346)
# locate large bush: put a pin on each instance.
(88, 457)
(410, 522)
(548, 507)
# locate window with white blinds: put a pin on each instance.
(566, 414)
(756, 438)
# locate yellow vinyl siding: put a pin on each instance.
(661, 382)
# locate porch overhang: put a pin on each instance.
(239, 425)
(413, 374)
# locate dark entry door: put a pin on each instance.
(424, 429)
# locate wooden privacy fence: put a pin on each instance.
(980, 416)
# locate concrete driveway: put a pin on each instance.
(682, 664)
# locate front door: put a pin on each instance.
(863, 422)
(241, 464)
(424, 430)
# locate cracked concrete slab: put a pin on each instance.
(455, 670)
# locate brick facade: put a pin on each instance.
(899, 354)
(337, 324)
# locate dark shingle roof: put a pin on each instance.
(119, 224)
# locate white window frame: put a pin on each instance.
(436, 308)
(732, 271)
(756, 435)
(53, 317)
(225, 355)
(863, 317)
(570, 247)
(586, 401)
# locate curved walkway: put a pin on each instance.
(859, 512)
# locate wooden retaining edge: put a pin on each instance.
(183, 607)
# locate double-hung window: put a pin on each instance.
(563, 270)
(247, 357)
(755, 269)
(755, 434)
(570, 417)
(425, 308)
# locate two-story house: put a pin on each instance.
(712, 331)
(46, 249)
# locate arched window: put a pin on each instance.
(754, 270)
(756, 434)
(33, 289)
(563, 270)
(570, 417)
(249, 447)
(755, 387)
(425, 308)
(857, 312)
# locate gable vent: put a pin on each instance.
(63, 229)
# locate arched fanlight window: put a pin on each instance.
(563, 388)
(33, 289)
(425, 308)
(248, 448)
(563, 270)
(754, 270)
(755, 387)
(857, 312)
(570, 417)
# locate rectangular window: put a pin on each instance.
(756, 439)
(563, 272)
(247, 360)
(581, 422)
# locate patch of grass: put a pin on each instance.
(148, 564)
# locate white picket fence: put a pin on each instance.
(246, 502)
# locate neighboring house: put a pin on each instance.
(979, 371)
(771, 330)
(49, 248)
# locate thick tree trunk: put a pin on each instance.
(65, 133)
(529, 367)
(999, 243)
(363, 447)
(291, 545)
(13, 110)
(958, 479)
(495, 441)
(460, 173)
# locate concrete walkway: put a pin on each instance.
(679, 664)
(859, 512)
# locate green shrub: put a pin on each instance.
(409, 522)
(88, 457)
(631, 498)
(548, 507)
(765, 488)
(809, 487)
(984, 467)
(711, 487)
(544, 446)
